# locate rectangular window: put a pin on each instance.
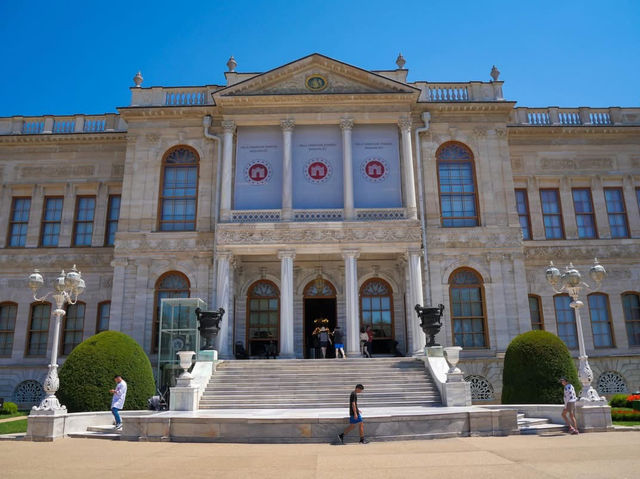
(51, 219)
(638, 197)
(616, 212)
(552, 214)
(104, 312)
(38, 329)
(113, 215)
(18, 222)
(178, 212)
(600, 320)
(457, 194)
(585, 217)
(7, 325)
(566, 319)
(522, 204)
(72, 331)
(535, 311)
(83, 224)
(631, 307)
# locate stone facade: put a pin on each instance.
(407, 246)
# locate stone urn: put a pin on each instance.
(430, 322)
(209, 327)
(185, 363)
(453, 356)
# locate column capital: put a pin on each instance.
(350, 253)
(286, 253)
(346, 124)
(228, 255)
(414, 251)
(405, 124)
(287, 125)
(229, 126)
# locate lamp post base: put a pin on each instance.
(51, 386)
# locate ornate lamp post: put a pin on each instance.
(571, 282)
(67, 287)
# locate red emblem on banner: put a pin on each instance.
(317, 170)
(375, 169)
(258, 172)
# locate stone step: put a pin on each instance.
(310, 405)
(531, 421)
(543, 429)
(103, 429)
(348, 383)
(341, 402)
(95, 435)
(318, 390)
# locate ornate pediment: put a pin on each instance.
(316, 75)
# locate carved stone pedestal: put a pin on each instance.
(184, 398)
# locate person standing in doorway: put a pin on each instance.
(569, 411)
(117, 402)
(355, 416)
(338, 342)
(370, 341)
(325, 340)
(364, 337)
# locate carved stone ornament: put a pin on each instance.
(346, 124)
(229, 126)
(405, 124)
(495, 73)
(137, 80)
(287, 125)
(232, 64)
(400, 61)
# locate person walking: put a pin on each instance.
(569, 411)
(117, 402)
(338, 342)
(355, 416)
(364, 337)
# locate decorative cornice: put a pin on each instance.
(66, 138)
(571, 130)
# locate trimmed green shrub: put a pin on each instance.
(533, 363)
(619, 400)
(9, 408)
(625, 414)
(87, 375)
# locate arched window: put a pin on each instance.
(611, 382)
(481, 388)
(600, 320)
(566, 320)
(8, 313)
(631, 307)
(468, 315)
(38, 333)
(28, 393)
(535, 311)
(457, 182)
(376, 309)
(263, 316)
(170, 285)
(72, 328)
(179, 190)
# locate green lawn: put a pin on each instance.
(12, 427)
(626, 423)
(19, 413)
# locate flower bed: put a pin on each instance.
(625, 414)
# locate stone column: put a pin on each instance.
(118, 293)
(351, 301)
(418, 339)
(286, 303)
(229, 128)
(346, 125)
(287, 169)
(407, 167)
(223, 300)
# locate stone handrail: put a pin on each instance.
(179, 96)
(582, 116)
(47, 125)
(336, 214)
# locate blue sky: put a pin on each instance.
(79, 57)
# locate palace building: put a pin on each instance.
(322, 190)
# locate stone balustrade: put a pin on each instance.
(46, 125)
(582, 116)
(179, 96)
(274, 216)
(460, 92)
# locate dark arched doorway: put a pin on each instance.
(319, 304)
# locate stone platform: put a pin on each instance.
(317, 425)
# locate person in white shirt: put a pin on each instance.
(119, 396)
(569, 410)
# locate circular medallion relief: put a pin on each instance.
(317, 170)
(374, 169)
(316, 82)
(258, 172)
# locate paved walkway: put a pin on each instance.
(17, 418)
(595, 455)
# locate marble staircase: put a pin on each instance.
(318, 384)
(539, 426)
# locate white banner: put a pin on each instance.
(258, 184)
(376, 167)
(317, 167)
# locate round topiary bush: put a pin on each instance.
(87, 375)
(533, 363)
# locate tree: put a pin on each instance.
(533, 364)
(87, 375)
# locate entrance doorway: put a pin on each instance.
(315, 311)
